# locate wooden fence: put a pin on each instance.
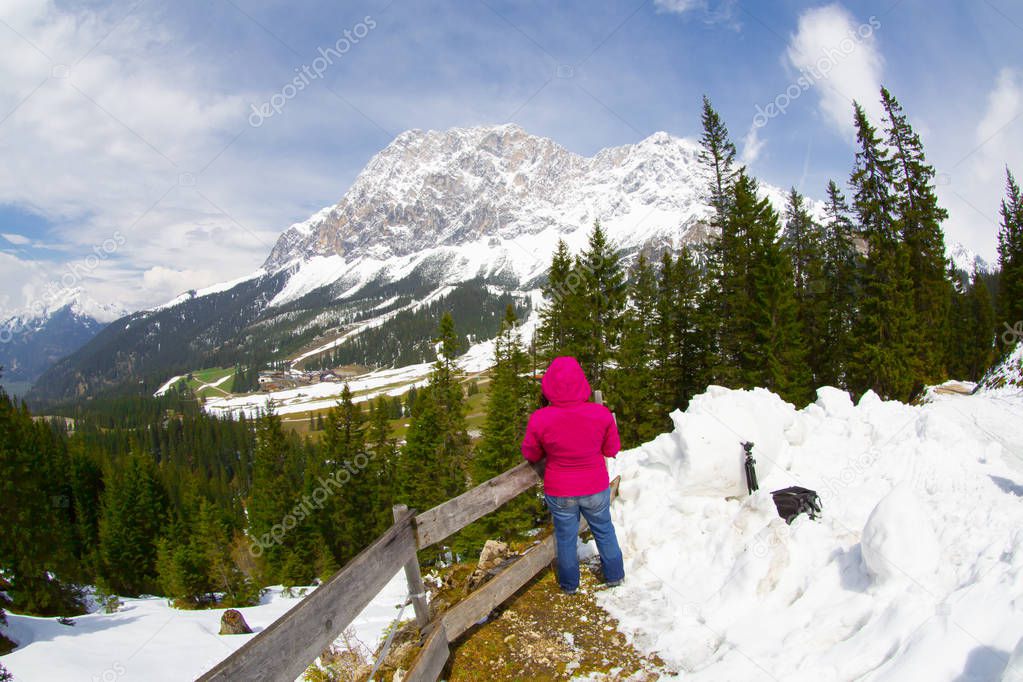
(290, 644)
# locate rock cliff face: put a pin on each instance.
(496, 199)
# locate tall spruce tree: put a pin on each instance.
(596, 315)
(717, 156)
(1010, 262)
(883, 359)
(274, 486)
(384, 448)
(803, 240)
(510, 401)
(633, 390)
(344, 445)
(979, 348)
(133, 508)
(554, 332)
(840, 275)
(919, 219)
(769, 342)
(432, 465)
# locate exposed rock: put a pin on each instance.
(494, 555)
(233, 623)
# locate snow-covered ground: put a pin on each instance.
(149, 641)
(915, 571)
(324, 395)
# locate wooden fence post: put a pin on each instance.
(416, 588)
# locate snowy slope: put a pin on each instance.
(148, 641)
(915, 571)
(966, 260)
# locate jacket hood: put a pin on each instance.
(564, 382)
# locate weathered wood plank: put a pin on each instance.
(292, 642)
(414, 578)
(476, 606)
(449, 517)
(432, 657)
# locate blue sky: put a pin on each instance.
(130, 158)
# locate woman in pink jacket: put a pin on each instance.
(575, 436)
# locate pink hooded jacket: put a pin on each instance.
(574, 434)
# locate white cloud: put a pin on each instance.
(679, 6)
(720, 12)
(18, 239)
(840, 56)
(752, 145)
(972, 167)
(113, 123)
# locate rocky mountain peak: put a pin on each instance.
(430, 189)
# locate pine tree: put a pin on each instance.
(979, 348)
(919, 221)
(681, 333)
(718, 158)
(432, 463)
(345, 448)
(883, 359)
(633, 395)
(769, 343)
(273, 495)
(841, 291)
(133, 507)
(1010, 262)
(803, 240)
(552, 335)
(384, 449)
(596, 315)
(510, 401)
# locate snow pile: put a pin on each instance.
(704, 453)
(898, 541)
(915, 570)
(147, 640)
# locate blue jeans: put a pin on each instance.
(597, 511)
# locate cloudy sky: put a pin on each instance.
(147, 147)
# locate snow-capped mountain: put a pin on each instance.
(56, 326)
(494, 200)
(429, 213)
(966, 260)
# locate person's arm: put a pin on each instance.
(612, 444)
(532, 448)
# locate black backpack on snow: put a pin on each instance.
(791, 502)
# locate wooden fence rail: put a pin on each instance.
(291, 643)
(457, 620)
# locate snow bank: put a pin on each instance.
(914, 572)
(149, 641)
